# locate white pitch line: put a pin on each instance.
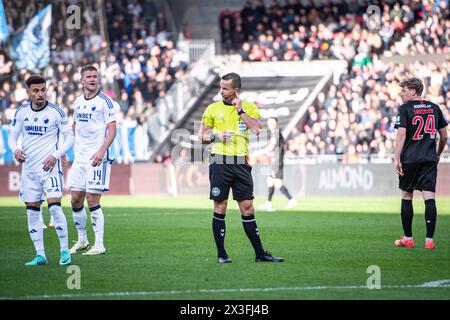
(112, 215)
(433, 284)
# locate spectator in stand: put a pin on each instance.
(355, 119)
(313, 29)
(141, 59)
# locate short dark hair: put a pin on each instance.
(235, 79)
(413, 83)
(88, 67)
(34, 79)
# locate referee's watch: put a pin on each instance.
(212, 137)
(241, 111)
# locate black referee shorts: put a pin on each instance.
(225, 175)
(419, 176)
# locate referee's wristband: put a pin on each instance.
(241, 111)
(213, 137)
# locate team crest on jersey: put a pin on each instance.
(93, 108)
(35, 119)
(46, 120)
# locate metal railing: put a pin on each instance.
(178, 99)
(200, 54)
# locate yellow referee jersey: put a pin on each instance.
(221, 117)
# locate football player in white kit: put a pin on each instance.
(40, 124)
(95, 129)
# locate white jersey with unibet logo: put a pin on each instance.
(40, 133)
(92, 117)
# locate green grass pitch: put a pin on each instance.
(163, 248)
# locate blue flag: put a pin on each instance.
(31, 46)
(3, 25)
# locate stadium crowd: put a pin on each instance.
(137, 68)
(340, 29)
(139, 61)
(355, 118)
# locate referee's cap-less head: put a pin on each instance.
(37, 89)
(230, 84)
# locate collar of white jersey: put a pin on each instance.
(98, 92)
(31, 106)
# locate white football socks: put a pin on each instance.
(41, 213)
(98, 222)
(79, 218)
(60, 224)
(35, 229)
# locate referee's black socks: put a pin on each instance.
(252, 232)
(407, 214)
(218, 226)
(430, 217)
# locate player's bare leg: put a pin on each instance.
(252, 232)
(430, 217)
(36, 233)
(54, 206)
(79, 218)
(98, 223)
(219, 229)
(407, 214)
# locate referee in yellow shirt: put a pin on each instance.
(226, 124)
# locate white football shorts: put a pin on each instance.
(85, 177)
(33, 185)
